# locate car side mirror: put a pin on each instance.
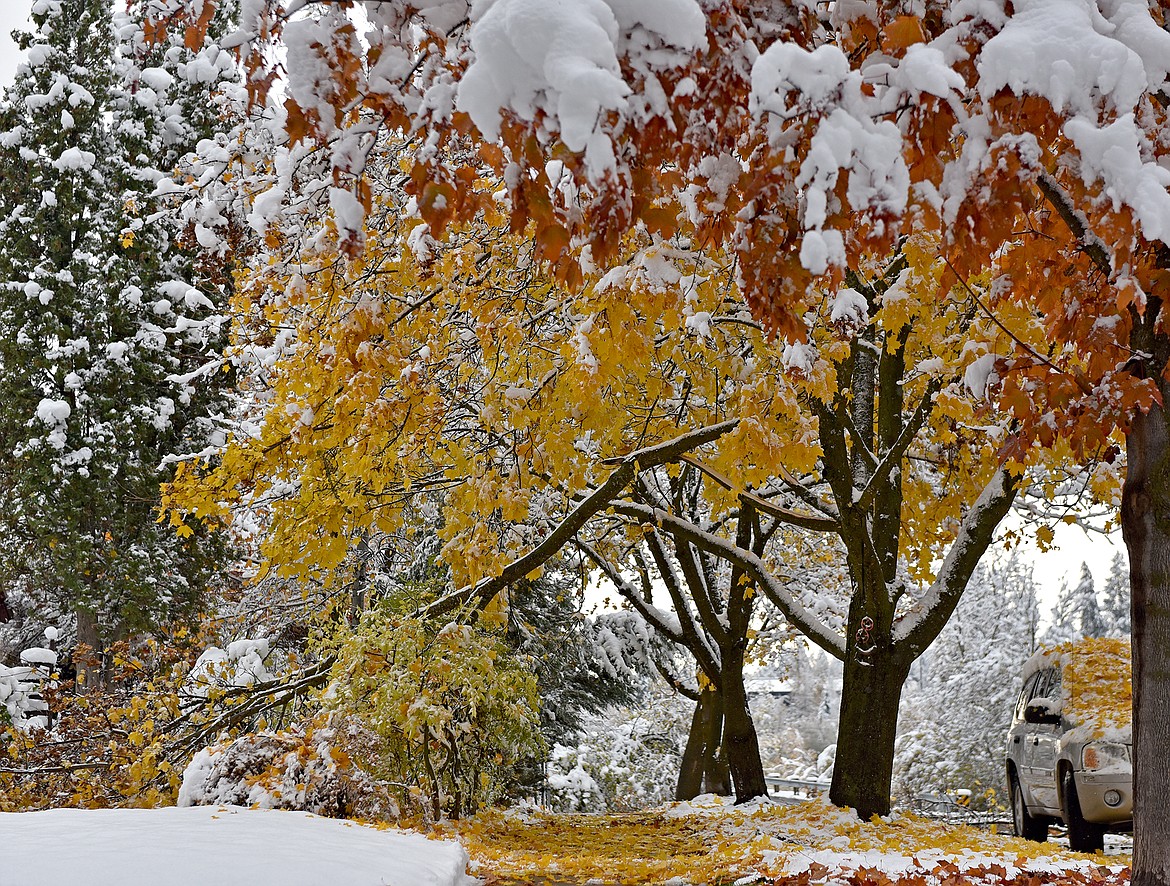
(1040, 712)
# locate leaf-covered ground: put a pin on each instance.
(804, 845)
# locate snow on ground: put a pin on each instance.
(224, 846)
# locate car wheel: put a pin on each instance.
(1027, 826)
(1083, 836)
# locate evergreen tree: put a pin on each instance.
(1076, 613)
(958, 703)
(98, 315)
(1115, 609)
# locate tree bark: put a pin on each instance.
(867, 727)
(739, 732)
(1145, 523)
(89, 671)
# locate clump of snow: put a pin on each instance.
(157, 79)
(561, 59)
(849, 308)
(799, 357)
(979, 375)
(39, 656)
(1069, 53)
(75, 158)
(241, 664)
(202, 845)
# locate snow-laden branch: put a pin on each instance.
(1092, 245)
(750, 563)
(654, 617)
(627, 469)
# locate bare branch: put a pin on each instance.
(627, 469)
(750, 563)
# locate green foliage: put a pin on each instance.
(454, 711)
(99, 315)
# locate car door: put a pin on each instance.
(1020, 737)
(1042, 744)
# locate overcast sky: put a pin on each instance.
(13, 14)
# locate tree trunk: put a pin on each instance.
(1145, 523)
(868, 724)
(739, 732)
(702, 751)
(717, 771)
(89, 671)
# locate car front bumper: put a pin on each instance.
(1092, 788)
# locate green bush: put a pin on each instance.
(455, 712)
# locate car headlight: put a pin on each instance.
(1105, 756)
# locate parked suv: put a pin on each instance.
(1069, 746)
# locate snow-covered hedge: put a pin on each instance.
(285, 770)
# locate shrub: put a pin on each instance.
(453, 712)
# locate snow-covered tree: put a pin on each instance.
(1076, 612)
(98, 317)
(798, 728)
(1115, 604)
(625, 758)
(958, 702)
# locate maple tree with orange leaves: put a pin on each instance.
(1030, 137)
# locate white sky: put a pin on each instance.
(1063, 563)
(13, 14)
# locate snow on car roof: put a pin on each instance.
(1096, 680)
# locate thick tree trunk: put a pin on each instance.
(868, 724)
(1145, 522)
(704, 767)
(739, 732)
(89, 671)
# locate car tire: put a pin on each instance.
(1026, 825)
(1083, 836)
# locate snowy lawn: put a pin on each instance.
(217, 846)
(711, 842)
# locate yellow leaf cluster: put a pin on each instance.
(457, 368)
(1096, 681)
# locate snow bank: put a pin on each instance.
(223, 845)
